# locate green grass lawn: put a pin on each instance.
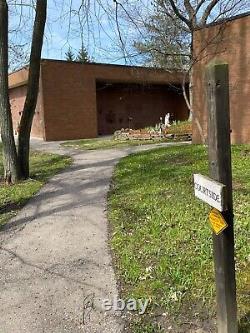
(108, 143)
(42, 166)
(182, 127)
(161, 237)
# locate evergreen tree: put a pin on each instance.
(82, 55)
(70, 55)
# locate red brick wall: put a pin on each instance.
(69, 95)
(17, 99)
(230, 43)
(67, 103)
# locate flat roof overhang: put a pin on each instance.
(110, 73)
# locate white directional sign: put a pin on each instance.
(210, 191)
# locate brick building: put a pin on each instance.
(224, 42)
(86, 100)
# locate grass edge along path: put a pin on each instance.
(108, 143)
(180, 128)
(42, 167)
(161, 239)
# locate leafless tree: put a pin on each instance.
(32, 88)
(16, 160)
(82, 18)
(11, 170)
(185, 15)
(197, 14)
(16, 164)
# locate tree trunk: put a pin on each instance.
(11, 174)
(32, 88)
(191, 79)
(189, 97)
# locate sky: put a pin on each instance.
(69, 25)
(103, 36)
(65, 30)
(94, 24)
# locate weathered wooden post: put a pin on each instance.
(219, 148)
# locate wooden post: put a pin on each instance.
(219, 151)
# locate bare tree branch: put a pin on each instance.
(178, 13)
(199, 5)
(191, 12)
(208, 11)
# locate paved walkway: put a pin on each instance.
(55, 264)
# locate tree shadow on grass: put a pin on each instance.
(9, 207)
(244, 324)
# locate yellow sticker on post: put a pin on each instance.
(217, 221)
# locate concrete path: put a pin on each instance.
(55, 264)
